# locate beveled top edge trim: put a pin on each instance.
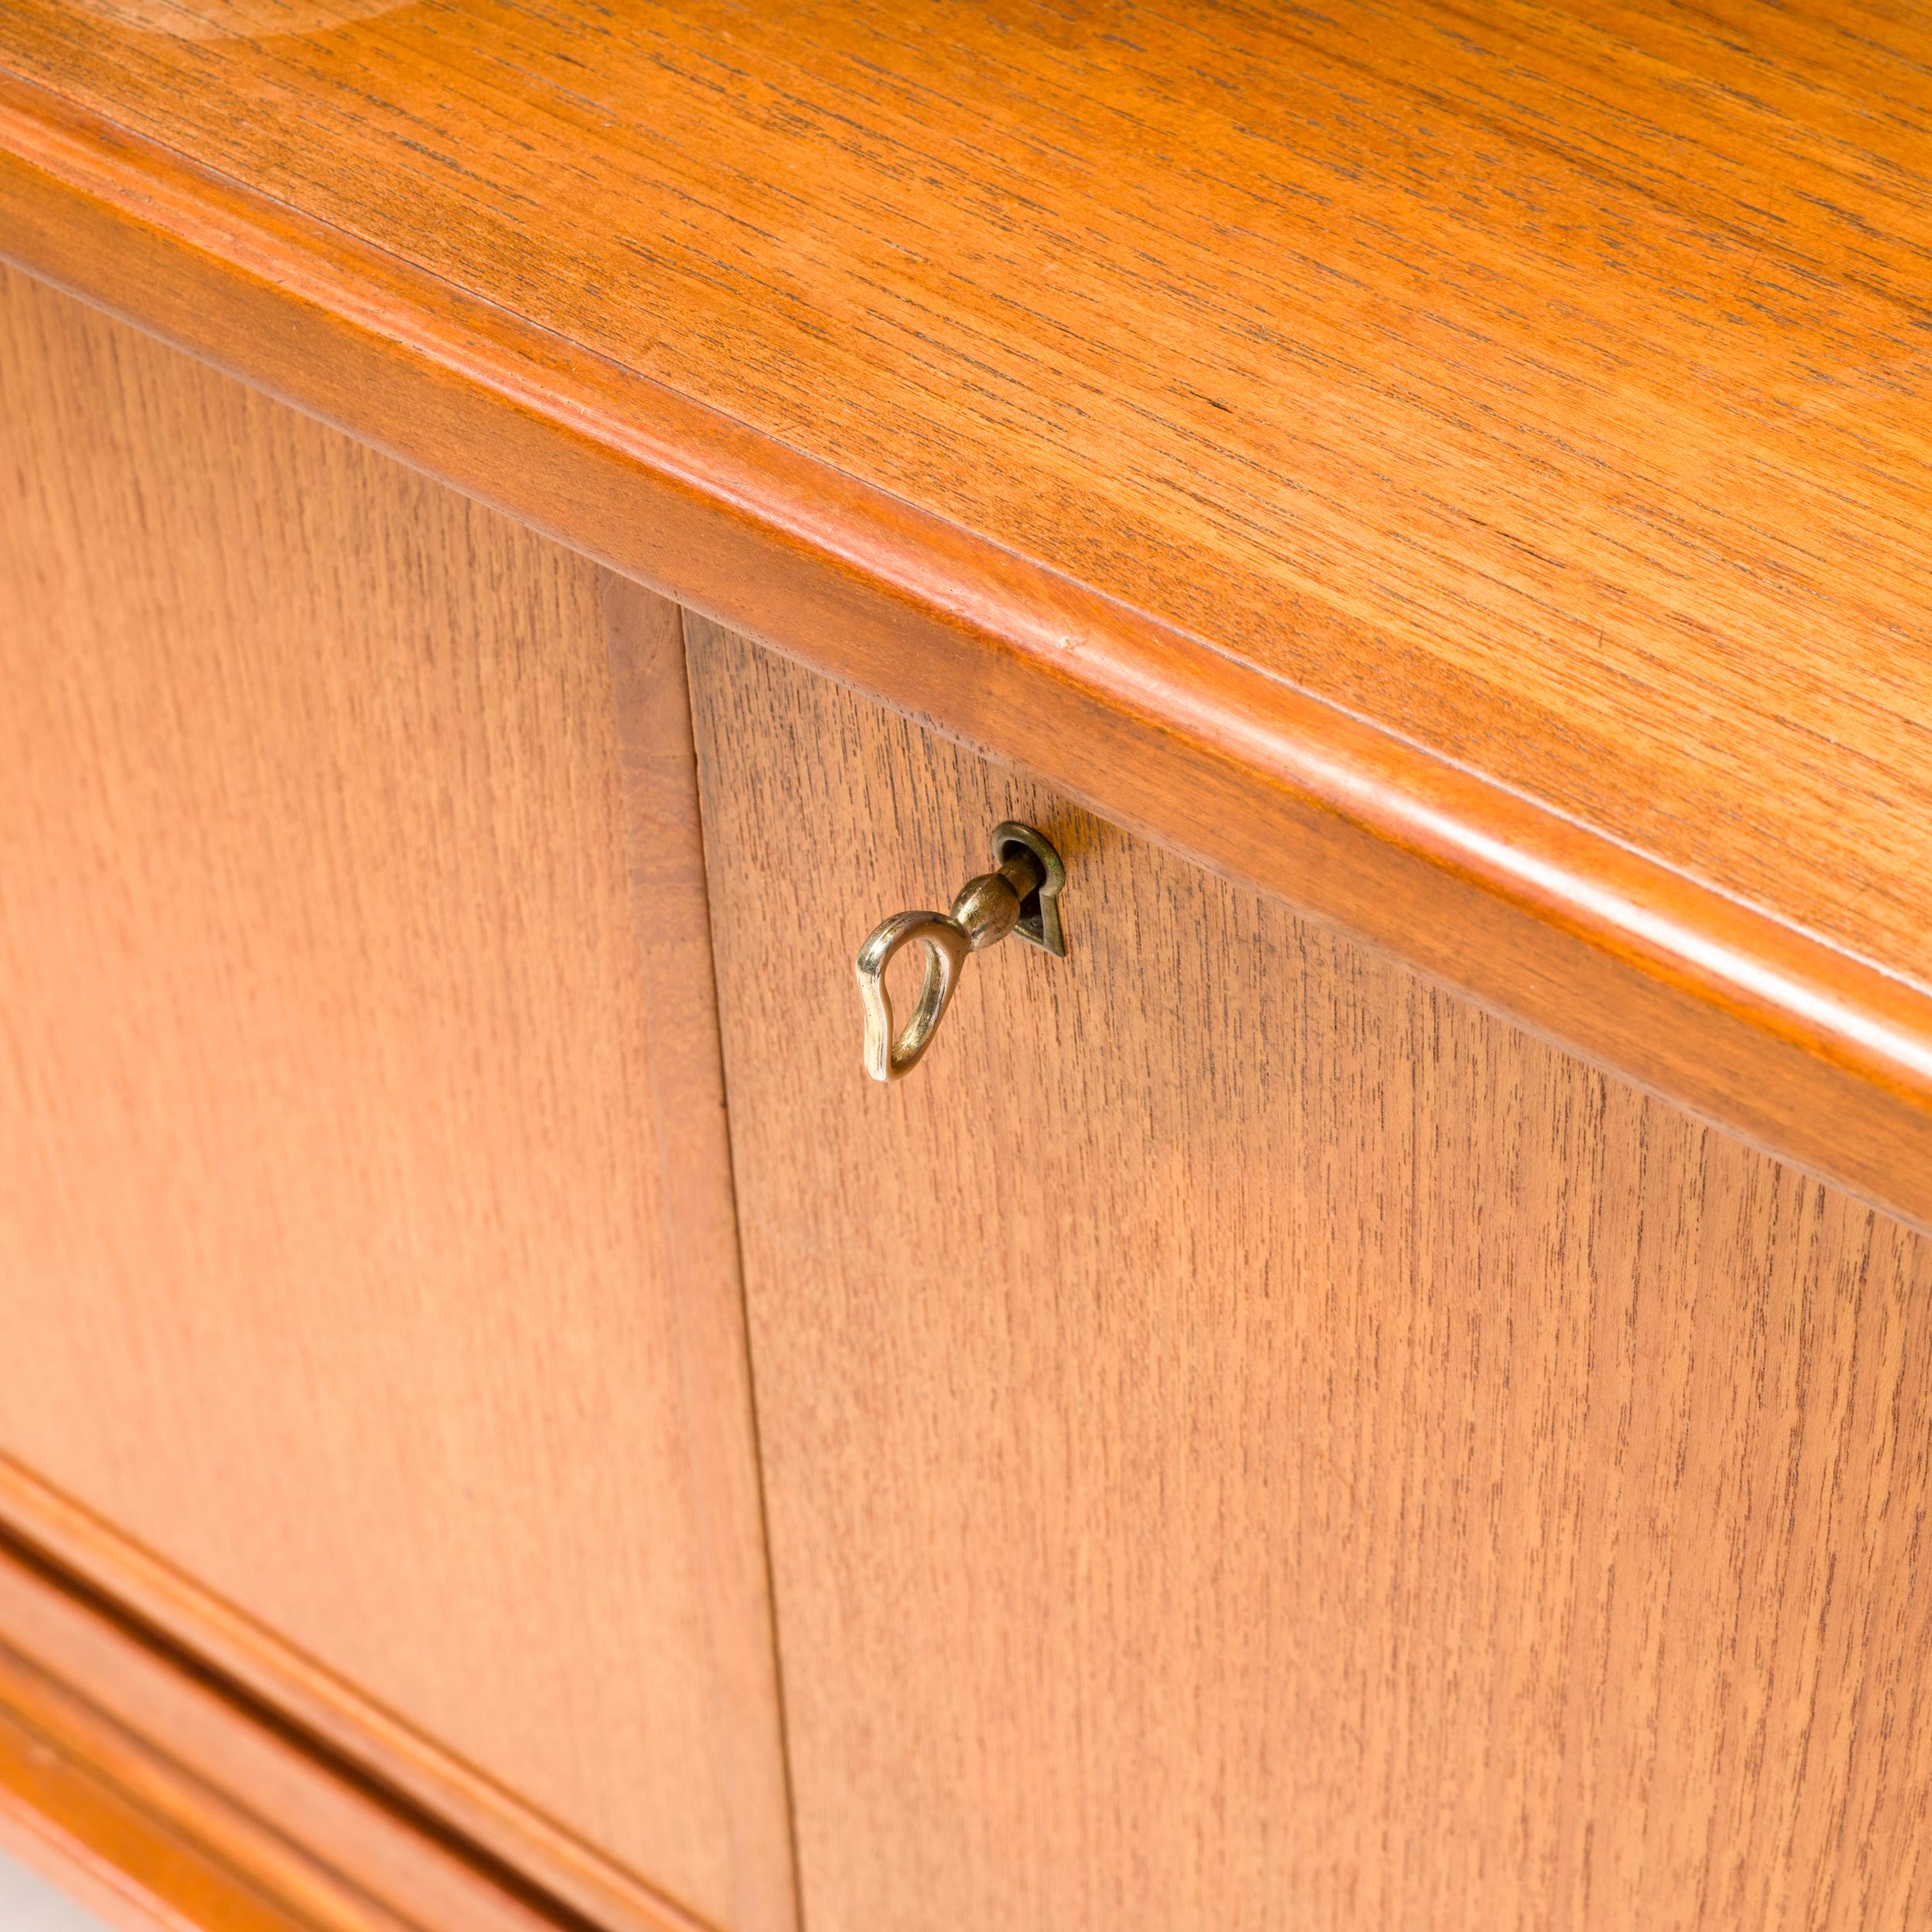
(1786, 1038)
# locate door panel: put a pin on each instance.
(361, 1175)
(1251, 1441)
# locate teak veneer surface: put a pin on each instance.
(1545, 386)
(1553, 383)
(365, 1212)
(1252, 1441)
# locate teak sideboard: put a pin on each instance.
(1386, 1384)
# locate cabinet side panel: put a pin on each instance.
(1252, 1441)
(333, 1254)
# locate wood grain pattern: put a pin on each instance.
(1252, 1441)
(1551, 382)
(1740, 1015)
(333, 1216)
(650, 706)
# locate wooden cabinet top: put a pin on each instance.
(1464, 467)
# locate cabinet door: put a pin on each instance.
(1252, 1442)
(366, 1246)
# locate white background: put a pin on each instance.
(28, 1905)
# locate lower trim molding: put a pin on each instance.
(165, 1757)
(138, 1840)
